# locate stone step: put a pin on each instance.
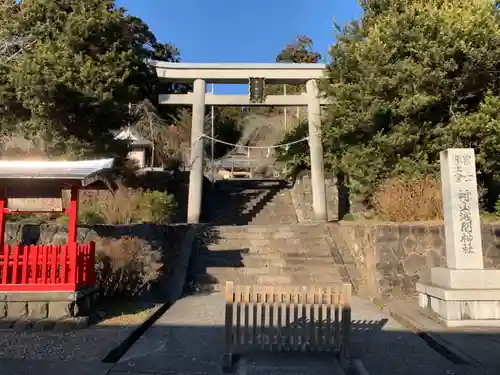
(289, 253)
(326, 273)
(220, 280)
(276, 270)
(266, 243)
(244, 279)
(317, 267)
(267, 256)
(285, 246)
(265, 260)
(272, 231)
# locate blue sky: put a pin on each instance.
(239, 30)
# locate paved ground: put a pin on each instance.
(477, 346)
(77, 352)
(386, 348)
(85, 345)
(187, 339)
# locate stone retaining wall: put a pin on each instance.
(391, 258)
(48, 309)
(301, 194)
(338, 200)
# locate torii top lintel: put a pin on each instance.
(238, 73)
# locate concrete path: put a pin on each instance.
(189, 339)
(386, 348)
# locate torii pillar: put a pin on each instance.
(316, 151)
(196, 161)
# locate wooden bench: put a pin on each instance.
(284, 318)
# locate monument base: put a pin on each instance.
(450, 278)
(462, 307)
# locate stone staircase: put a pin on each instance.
(252, 202)
(290, 254)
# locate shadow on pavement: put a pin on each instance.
(199, 349)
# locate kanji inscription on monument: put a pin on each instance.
(461, 209)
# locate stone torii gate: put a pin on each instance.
(256, 75)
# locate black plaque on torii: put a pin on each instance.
(257, 90)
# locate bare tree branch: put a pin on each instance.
(15, 46)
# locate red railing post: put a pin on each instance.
(24, 268)
(64, 265)
(92, 263)
(73, 217)
(72, 236)
(15, 264)
(45, 261)
(5, 266)
(34, 264)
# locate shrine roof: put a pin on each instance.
(86, 172)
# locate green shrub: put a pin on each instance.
(126, 266)
(497, 208)
(349, 217)
(156, 206)
(90, 217)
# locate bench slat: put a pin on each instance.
(246, 314)
(281, 330)
(272, 328)
(228, 355)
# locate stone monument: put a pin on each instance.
(463, 293)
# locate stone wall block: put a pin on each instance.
(404, 230)
(48, 232)
(409, 244)
(387, 234)
(387, 254)
(408, 284)
(3, 309)
(419, 230)
(435, 259)
(60, 238)
(88, 235)
(438, 240)
(60, 309)
(17, 309)
(414, 264)
(38, 310)
(361, 232)
(12, 233)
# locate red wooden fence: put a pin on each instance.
(47, 267)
